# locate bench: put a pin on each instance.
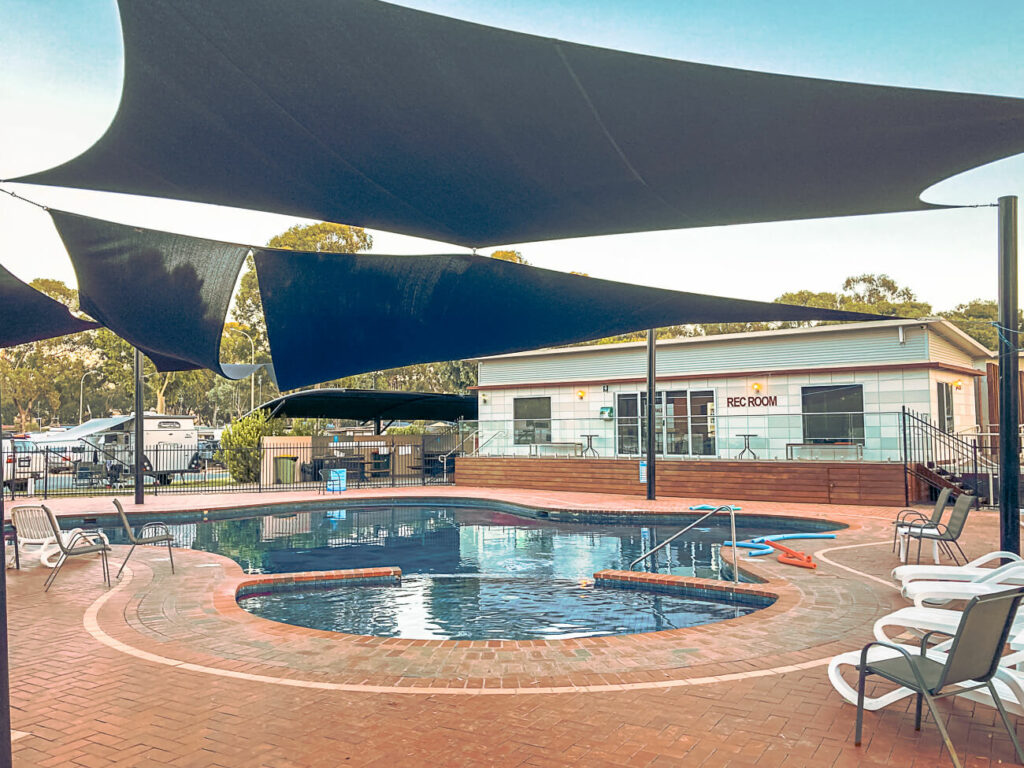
(557, 449)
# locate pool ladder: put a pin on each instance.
(732, 525)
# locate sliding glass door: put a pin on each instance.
(684, 422)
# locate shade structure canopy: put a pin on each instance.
(369, 404)
(28, 315)
(164, 293)
(331, 315)
(366, 113)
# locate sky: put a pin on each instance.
(61, 64)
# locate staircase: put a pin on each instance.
(944, 460)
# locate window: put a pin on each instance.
(532, 417)
(834, 414)
(168, 425)
(683, 421)
(945, 402)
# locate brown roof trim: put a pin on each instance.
(741, 374)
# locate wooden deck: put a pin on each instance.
(813, 482)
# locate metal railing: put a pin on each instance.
(81, 468)
(860, 436)
(942, 458)
(732, 527)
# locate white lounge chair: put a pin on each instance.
(995, 580)
(36, 537)
(907, 573)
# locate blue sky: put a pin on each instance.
(60, 75)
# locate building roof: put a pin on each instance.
(938, 325)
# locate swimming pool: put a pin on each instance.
(471, 572)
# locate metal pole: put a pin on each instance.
(651, 394)
(1009, 388)
(140, 421)
(5, 682)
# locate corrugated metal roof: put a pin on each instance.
(87, 429)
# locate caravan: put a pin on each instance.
(106, 447)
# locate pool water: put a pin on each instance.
(484, 607)
(469, 573)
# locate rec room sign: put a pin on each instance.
(758, 401)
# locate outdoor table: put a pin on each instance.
(905, 548)
(590, 445)
(746, 447)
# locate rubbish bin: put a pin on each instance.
(284, 469)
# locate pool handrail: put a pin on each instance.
(732, 524)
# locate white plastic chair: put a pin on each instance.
(36, 537)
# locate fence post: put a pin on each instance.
(46, 472)
(906, 450)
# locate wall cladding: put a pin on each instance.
(813, 482)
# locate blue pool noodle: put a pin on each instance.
(761, 549)
(710, 508)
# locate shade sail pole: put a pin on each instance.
(1009, 389)
(651, 394)
(5, 681)
(140, 423)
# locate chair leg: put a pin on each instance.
(170, 554)
(917, 714)
(861, 681)
(125, 561)
(942, 730)
(53, 574)
(962, 553)
(106, 568)
(1006, 721)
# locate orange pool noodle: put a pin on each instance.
(792, 557)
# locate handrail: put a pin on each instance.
(474, 433)
(732, 524)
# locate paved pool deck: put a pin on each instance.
(168, 670)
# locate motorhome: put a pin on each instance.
(170, 445)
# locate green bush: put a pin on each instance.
(240, 445)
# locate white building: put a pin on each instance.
(829, 392)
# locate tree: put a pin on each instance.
(240, 445)
(514, 256)
(976, 318)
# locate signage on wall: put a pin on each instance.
(758, 401)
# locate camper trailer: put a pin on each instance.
(170, 446)
(22, 460)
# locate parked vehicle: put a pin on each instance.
(170, 446)
(22, 459)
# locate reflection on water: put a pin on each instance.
(433, 540)
(483, 607)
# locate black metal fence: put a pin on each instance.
(278, 464)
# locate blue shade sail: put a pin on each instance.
(28, 315)
(164, 293)
(371, 114)
(331, 315)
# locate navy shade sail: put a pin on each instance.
(371, 114)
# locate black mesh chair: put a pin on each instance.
(906, 516)
(945, 534)
(150, 533)
(973, 656)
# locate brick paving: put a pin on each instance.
(168, 671)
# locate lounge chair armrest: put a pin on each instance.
(157, 525)
(927, 636)
(84, 536)
(1001, 555)
(903, 514)
(901, 650)
(912, 515)
(920, 527)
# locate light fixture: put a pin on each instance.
(756, 387)
(958, 384)
(580, 394)
(483, 398)
(604, 387)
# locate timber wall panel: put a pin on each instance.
(818, 482)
